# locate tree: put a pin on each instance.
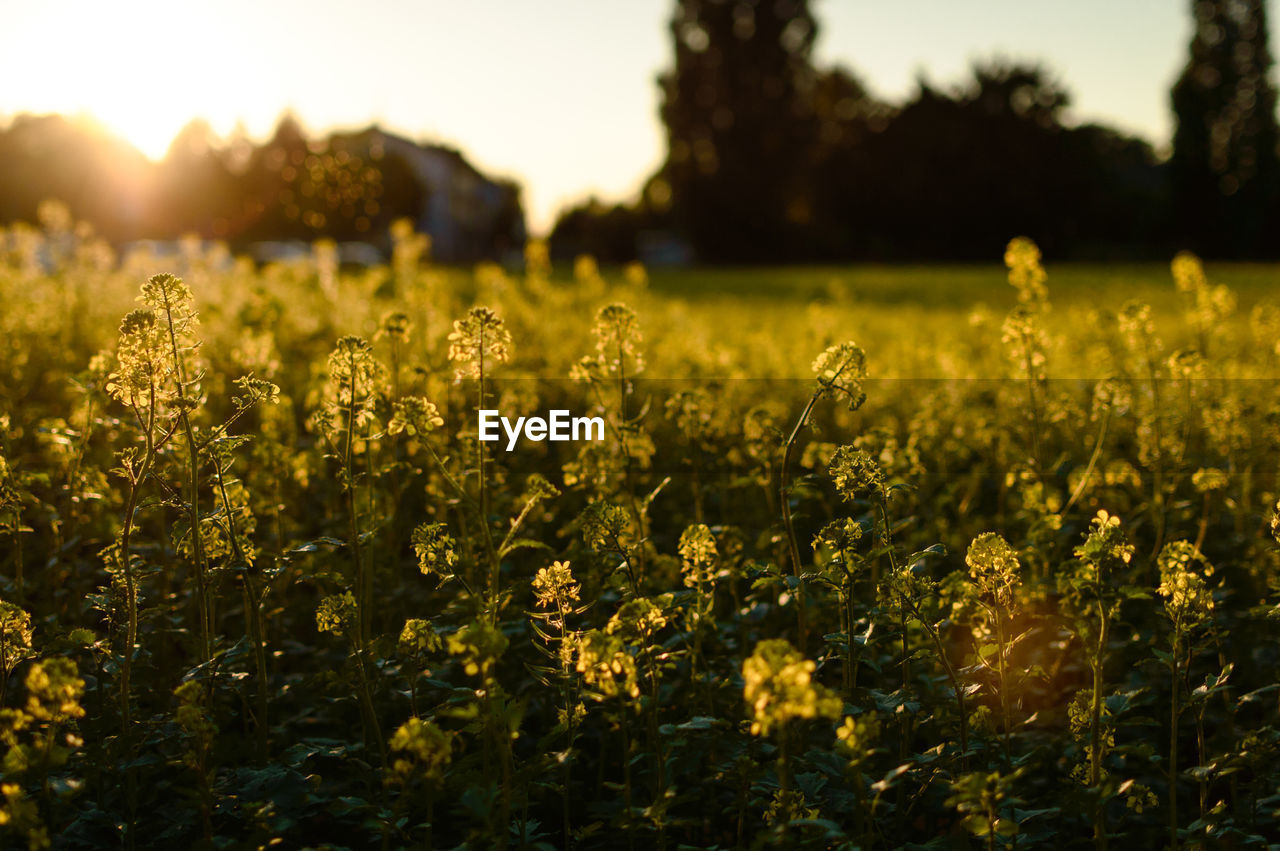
(1224, 168)
(740, 125)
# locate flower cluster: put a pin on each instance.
(354, 375)
(414, 416)
(856, 737)
(435, 548)
(554, 587)
(478, 338)
(1210, 479)
(15, 636)
(1026, 274)
(395, 326)
(603, 525)
(639, 619)
(840, 371)
(142, 369)
(855, 473)
(480, 644)
(604, 663)
(336, 613)
(422, 747)
(779, 687)
(840, 536)
(1105, 549)
(419, 637)
(192, 716)
(994, 569)
(1188, 601)
(698, 552)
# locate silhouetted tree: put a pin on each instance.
(1224, 168)
(740, 125)
(195, 190)
(951, 174)
(609, 233)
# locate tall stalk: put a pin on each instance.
(1095, 726)
(1174, 713)
(193, 481)
(784, 495)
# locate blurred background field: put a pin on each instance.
(944, 287)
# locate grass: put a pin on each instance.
(951, 287)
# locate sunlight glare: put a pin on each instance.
(143, 70)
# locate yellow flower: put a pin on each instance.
(54, 688)
(479, 338)
(856, 737)
(856, 473)
(555, 586)
(15, 633)
(698, 551)
(191, 714)
(1188, 601)
(1188, 272)
(336, 613)
(1026, 275)
(419, 636)
(1105, 549)
(1208, 479)
(420, 746)
(480, 644)
(639, 619)
(586, 271)
(994, 568)
(414, 416)
(635, 274)
(395, 326)
(840, 371)
(779, 687)
(603, 525)
(618, 337)
(435, 548)
(604, 663)
(140, 359)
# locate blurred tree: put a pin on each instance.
(740, 125)
(609, 233)
(343, 186)
(195, 191)
(1224, 168)
(951, 174)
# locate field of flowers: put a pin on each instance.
(990, 576)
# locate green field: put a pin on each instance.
(952, 286)
(262, 586)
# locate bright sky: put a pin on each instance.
(559, 94)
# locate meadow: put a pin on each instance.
(873, 557)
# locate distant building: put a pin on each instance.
(467, 215)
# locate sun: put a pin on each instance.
(141, 69)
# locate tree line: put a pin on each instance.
(772, 158)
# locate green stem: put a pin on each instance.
(784, 494)
(1173, 745)
(193, 503)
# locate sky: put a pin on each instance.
(558, 94)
